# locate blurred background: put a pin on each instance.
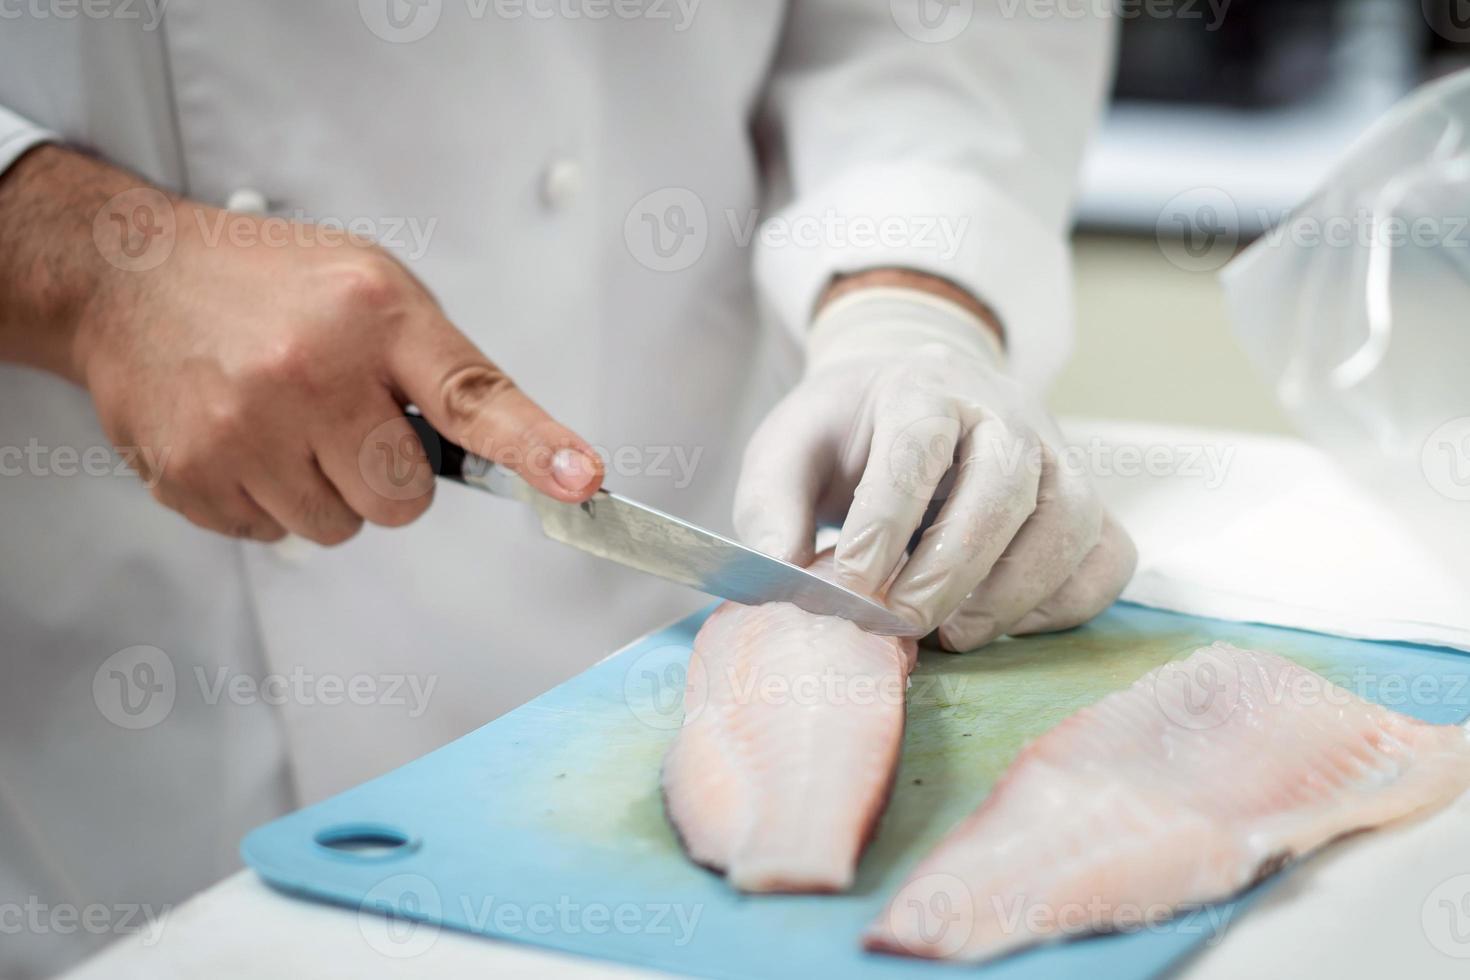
(1255, 98)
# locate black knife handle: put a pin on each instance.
(446, 458)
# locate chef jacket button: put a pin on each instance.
(247, 200)
(561, 183)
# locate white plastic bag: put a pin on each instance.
(1356, 308)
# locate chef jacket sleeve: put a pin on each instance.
(944, 138)
(18, 135)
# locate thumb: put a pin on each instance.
(473, 402)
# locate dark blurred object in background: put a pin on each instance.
(1243, 105)
(1244, 53)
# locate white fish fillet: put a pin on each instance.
(1195, 782)
(791, 737)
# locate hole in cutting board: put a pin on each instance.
(367, 842)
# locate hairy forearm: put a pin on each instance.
(909, 279)
(50, 265)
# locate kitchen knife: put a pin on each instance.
(613, 527)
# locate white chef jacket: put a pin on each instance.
(630, 206)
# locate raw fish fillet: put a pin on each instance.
(1198, 780)
(791, 737)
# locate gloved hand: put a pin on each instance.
(905, 403)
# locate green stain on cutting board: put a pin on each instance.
(968, 717)
(606, 784)
(970, 714)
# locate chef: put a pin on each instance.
(789, 265)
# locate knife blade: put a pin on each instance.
(614, 527)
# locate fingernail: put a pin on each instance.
(572, 470)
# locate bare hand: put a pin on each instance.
(264, 368)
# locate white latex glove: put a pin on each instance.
(906, 401)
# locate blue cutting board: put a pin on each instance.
(546, 825)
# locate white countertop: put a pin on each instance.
(1392, 903)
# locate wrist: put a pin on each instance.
(881, 322)
(845, 284)
(52, 270)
